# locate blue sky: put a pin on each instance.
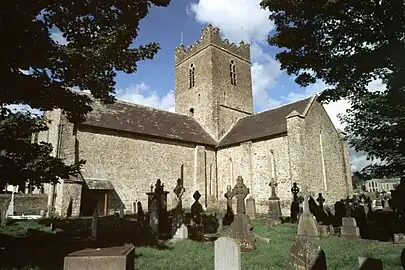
(153, 83)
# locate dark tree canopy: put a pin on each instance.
(39, 72)
(348, 44)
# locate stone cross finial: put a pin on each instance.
(273, 184)
(295, 190)
(179, 189)
(320, 200)
(240, 191)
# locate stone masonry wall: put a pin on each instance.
(26, 203)
(133, 163)
(320, 132)
(200, 97)
(252, 161)
(67, 191)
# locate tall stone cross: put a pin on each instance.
(273, 184)
(179, 191)
(240, 191)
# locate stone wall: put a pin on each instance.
(252, 160)
(25, 203)
(132, 163)
(68, 193)
(324, 160)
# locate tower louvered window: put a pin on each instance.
(232, 72)
(192, 76)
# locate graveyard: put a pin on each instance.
(186, 237)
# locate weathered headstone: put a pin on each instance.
(307, 225)
(251, 207)
(349, 229)
(121, 210)
(181, 233)
(399, 238)
(274, 217)
(10, 208)
(323, 230)
(157, 208)
(370, 264)
(133, 206)
(227, 254)
(295, 204)
(196, 208)
(220, 220)
(305, 255)
(94, 224)
(229, 215)
(240, 229)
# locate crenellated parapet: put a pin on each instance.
(211, 36)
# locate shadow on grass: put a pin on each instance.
(42, 248)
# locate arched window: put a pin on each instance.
(192, 76)
(191, 111)
(232, 72)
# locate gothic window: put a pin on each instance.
(192, 76)
(192, 112)
(232, 72)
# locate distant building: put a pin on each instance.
(380, 185)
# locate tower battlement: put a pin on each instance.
(210, 35)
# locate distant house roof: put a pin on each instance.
(265, 124)
(386, 180)
(145, 120)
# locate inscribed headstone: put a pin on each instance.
(181, 233)
(305, 255)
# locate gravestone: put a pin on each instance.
(121, 210)
(133, 206)
(157, 208)
(274, 217)
(240, 229)
(349, 229)
(178, 210)
(119, 258)
(228, 218)
(227, 254)
(295, 204)
(220, 219)
(181, 233)
(305, 255)
(403, 258)
(370, 264)
(307, 225)
(94, 224)
(10, 208)
(140, 213)
(324, 230)
(251, 207)
(399, 238)
(196, 209)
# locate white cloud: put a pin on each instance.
(23, 108)
(236, 18)
(58, 38)
(142, 94)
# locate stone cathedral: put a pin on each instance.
(213, 137)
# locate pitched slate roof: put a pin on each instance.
(264, 124)
(145, 120)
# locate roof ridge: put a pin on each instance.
(279, 107)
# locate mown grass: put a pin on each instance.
(341, 254)
(21, 228)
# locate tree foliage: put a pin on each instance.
(348, 44)
(38, 71)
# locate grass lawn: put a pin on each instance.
(340, 254)
(185, 255)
